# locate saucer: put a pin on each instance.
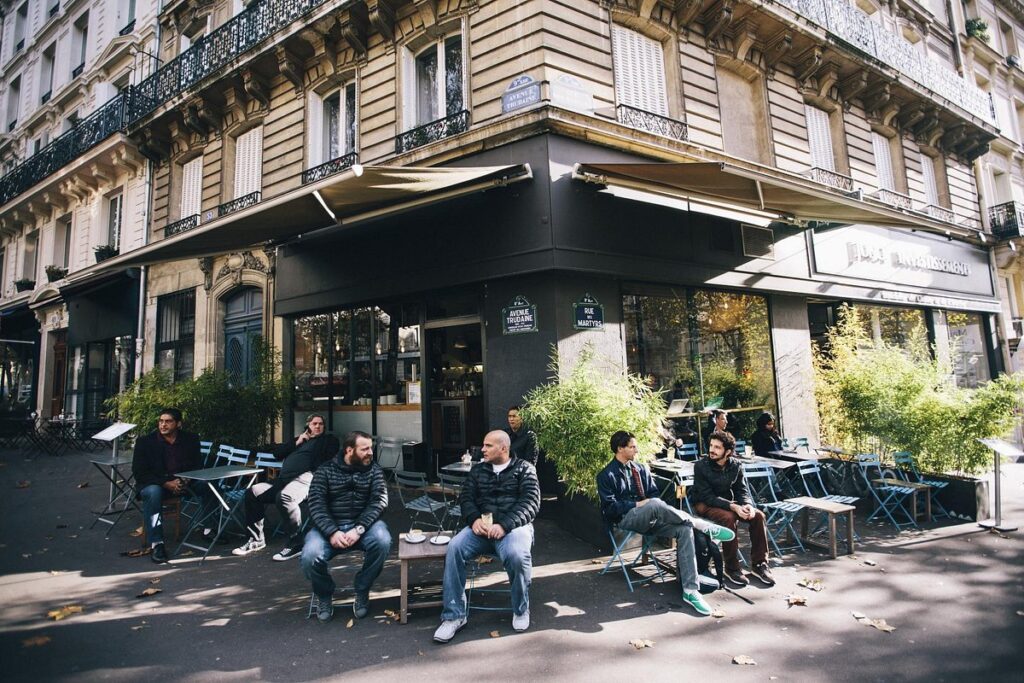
(440, 540)
(415, 539)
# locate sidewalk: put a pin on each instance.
(955, 595)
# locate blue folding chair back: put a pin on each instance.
(451, 489)
(205, 447)
(779, 515)
(688, 451)
(802, 442)
(810, 476)
(889, 498)
(412, 492)
(741, 447)
(907, 469)
(620, 539)
(389, 454)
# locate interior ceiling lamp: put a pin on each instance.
(460, 342)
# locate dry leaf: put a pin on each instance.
(483, 559)
(718, 614)
(796, 600)
(55, 572)
(870, 563)
(351, 623)
(35, 641)
(83, 485)
(23, 484)
(137, 552)
(597, 560)
(64, 612)
(155, 581)
(1020, 613)
(879, 624)
(744, 659)
(139, 627)
(391, 614)
(136, 533)
(812, 584)
(641, 643)
(148, 592)
(494, 634)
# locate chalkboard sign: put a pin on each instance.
(519, 317)
(587, 314)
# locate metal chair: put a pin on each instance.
(907, 470)
(412, 492)
(451, 488)
(802, 442)
(814, 486)
(205, 447)
(779, 515)
(389, 454)
(688, 451)
(620, 539)
(741, 448)
(484, 566)
(889, 498)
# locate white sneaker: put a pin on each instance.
(521, 622)
(448, 628)
(250, 546)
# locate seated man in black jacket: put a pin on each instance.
(499, 501)
(289, 489)
(346, 500)
(158, 457)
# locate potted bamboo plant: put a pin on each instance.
(104, 251)
(54, 273)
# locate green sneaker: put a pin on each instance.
(696, 601)
(721, 534)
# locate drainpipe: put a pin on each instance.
(958, 57)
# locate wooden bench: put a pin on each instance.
(831, 509)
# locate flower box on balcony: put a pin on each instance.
(104, 251)
(24, 284)
(54, 273)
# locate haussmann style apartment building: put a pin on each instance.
(417, 200)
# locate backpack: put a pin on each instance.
(707, 551)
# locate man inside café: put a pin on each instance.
(629, 500)
(499, 501)
(158, 457)
(719, 493)
(522, 440)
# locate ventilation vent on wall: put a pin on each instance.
(758, 242)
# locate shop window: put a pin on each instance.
(967, 349)
(191, 187)
(175, 333)
(900, 327)
(337, 125)
(704, 347)
(639, 64)
(435, 83)
(115, 212)
(97, 371)
(248, 163)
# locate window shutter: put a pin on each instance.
(248, 162)
(191, 187)
(883, 161)
(931, 188)
(819, 137)
(639, 65)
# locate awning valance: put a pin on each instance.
(357, 194)
(792, 197)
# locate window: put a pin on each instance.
(248, 162)
(883, 161)
(3, 271)
(639, 65)
(20, 25)
(62, 242)
(70, 122)
(115, 211)
(31, 262)
(13, 103)
(176, 333)
(191, 187)
(931, 184)
(819, 137)
(435, 88)
(967, 348)
(126, 12)
(1009, 41)
(338, 125)
(192, 34)
(46, 73)
(902, 327)
(744, 114)
(79, 44)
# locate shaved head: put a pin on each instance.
(495, 449)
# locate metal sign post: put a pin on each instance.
(1001, 449)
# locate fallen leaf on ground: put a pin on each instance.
(391, 614)
(870, 563)
(744, 659)
(880, 624)
(718, 614)
(597, 560)
(494, 634)
(26, 555)
(812, 584)
(139, 627)
(83, 485)
(64, 612)
(796, 600)
(136, 533)
(155, 581)
(149, 591)
(1020, 613)
(23, 484)
(641, 643)
(136, 552)
(35, 641)
(351, 623)
(72, 535)
(483, 559)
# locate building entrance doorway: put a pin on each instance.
(455, 386)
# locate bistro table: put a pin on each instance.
(794, 455)
(415, 552)
(121, 497)
(459, 467)
(212, 476)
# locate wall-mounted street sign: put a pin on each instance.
(519, 316)
(521, 92)
(587, 314)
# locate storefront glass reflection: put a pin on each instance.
(901, 327)
(97, 371)
(17, 375)
(967, 348)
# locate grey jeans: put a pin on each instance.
(288, 502)
(661, 519)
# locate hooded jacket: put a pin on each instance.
(342, 494)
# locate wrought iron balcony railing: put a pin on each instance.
(650, 122)
(243, 202)
(129, 27)
(330, 168)
(432, 132)
(1007, 220)
(940, 213)
(853, 27)
(900, 201)
(45, 97)
(837, 181)
(184, 225)
(77, 71)
(1018, 327)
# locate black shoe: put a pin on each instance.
(159, 554)
(324, 609)
(288, 553)
(361, 606)
(763, 573)
(735, 576)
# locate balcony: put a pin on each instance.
(854, 28)
(837, 181)
(1007, 220)
(77, 71)
(328, 169)
(652, 123)
(432, 132)
(184, 225)
(940, 213)
(895, 199)
(53, 10)
(243, 202)
(129, 27)
(45, 97)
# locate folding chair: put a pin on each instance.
(907, 470)
(484, 566)
(412, 492)
(389, 454)
(889, 498)
(688, 451)
(620, 539)
(802, 442)
(779, 515)
(814, 486)
(451, 488)
(204, 450)
(741, 448)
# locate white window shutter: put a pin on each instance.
(883, 161)
(408, 89)
(248, 162)
(931, 188)
(191, 187)
(639, 64)
(819, 137)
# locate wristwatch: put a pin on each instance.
(360, 529)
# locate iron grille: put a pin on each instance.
(432, 132)
(1007, 220)
(836, 181)
(652, 123)
(900, 201)
(243, 202)
(333, 166)
(184, 225)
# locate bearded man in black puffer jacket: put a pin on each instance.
(346, 500)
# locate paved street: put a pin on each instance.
(954, 593)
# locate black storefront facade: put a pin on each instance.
(427, 325)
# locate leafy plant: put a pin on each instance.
(104, 251)
(575, 414)
(977, 28)
(24, 284)
(54, 273)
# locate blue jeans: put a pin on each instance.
(661, 519)
(153, 502)
(513, 550)
(318, 552)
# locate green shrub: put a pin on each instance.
(575, 415)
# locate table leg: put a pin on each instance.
(803, 523)
(404, 600)
(849, 533)
(928, 506)
(832, 534)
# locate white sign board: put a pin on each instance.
(114, 431)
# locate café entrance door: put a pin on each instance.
(455, 387)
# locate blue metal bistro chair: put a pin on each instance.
(620, 539)
(889, 498)
(907, 469)
(779, 515)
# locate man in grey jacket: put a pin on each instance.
(346, 500)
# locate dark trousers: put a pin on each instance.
(729, 519)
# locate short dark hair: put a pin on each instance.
(173, 412)
(716, 412)
(515, 408)
(620, 439)
(313, 416)
(724, 438)
(350, 440)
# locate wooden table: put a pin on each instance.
(918, 488)
(413, 552)
(831, 509)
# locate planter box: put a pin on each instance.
(964, 497)
(581, 517)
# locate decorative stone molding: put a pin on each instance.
(381, 14)
(256, 88)
(290, 66)
(354, 26)
(237, 262)
(206, 268)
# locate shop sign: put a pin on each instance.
(519, 317)
(521, 92)
(587, 314)
(938, 301)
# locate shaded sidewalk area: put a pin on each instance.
(954, 593)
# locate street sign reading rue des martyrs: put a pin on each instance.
(587, 314)
(519, 317)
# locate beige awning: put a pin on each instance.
(793, 198)
(357, 194)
